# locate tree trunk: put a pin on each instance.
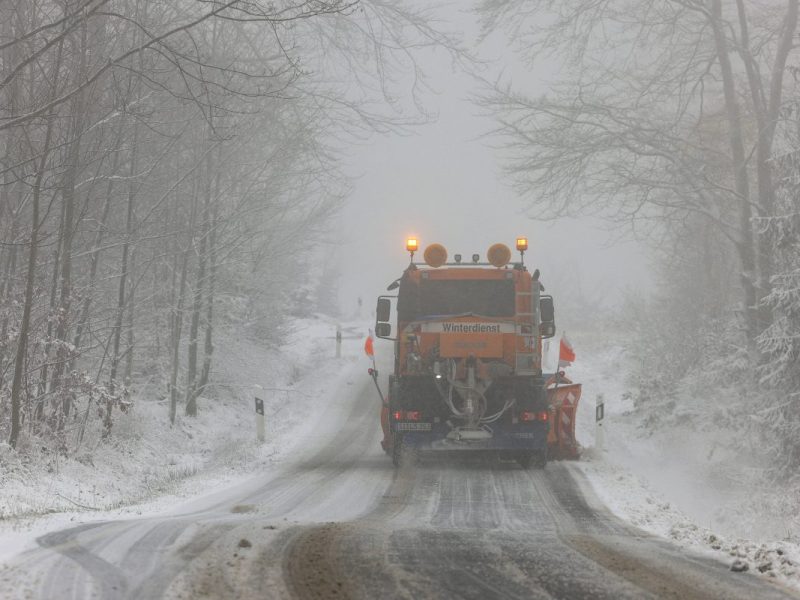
(24, 327)
(65, 301)
(177, 319)
(6, 289)
(131, 317)
(746, 244)
(10, 188)
(22, 342)
(208, 349)
(124, 274)
(52, 309)
(94, 260)
(766, 106)
(197, 306)
(176, 341)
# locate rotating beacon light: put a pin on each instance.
(412, 245)
(522, 246)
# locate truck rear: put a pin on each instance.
(468, 358)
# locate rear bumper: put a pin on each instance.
(516, 437)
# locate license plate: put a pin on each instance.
(412, 426)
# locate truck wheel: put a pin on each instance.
(397, 450)
(533, 458)
(504, 456)
(524, 459)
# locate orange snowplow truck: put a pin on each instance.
(468, 360)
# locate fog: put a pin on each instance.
(442, 182)
(184, 183)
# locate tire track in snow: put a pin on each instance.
(471, 530)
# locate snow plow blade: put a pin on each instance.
(563, 397)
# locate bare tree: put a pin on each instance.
(678, 115)
(155, 155)
(625, 134)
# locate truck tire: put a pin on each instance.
(532, 458)
(540, 459)
(397, 450)
(524, 459)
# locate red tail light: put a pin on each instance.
(407, 415)
(527, 416)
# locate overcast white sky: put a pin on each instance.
(444, 184)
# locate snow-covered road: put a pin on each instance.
(335, 520)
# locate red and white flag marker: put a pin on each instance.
(369, 350)
(369, 346)
(566, 354)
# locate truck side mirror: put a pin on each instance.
(384, 310)
(546, 309)
(547, 313)
(383, 330)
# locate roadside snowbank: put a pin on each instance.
(680, 483)
(147, 466)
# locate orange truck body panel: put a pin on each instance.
(482, 344)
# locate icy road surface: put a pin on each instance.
(337, 521)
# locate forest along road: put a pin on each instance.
(339, 522)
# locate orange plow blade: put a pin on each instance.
(563, 397)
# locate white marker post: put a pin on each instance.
(599, 415)
(261, 434)
(338, 341)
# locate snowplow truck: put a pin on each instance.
(468, 360)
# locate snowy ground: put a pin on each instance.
(680, 485)
(149, 467)
(675, 488)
